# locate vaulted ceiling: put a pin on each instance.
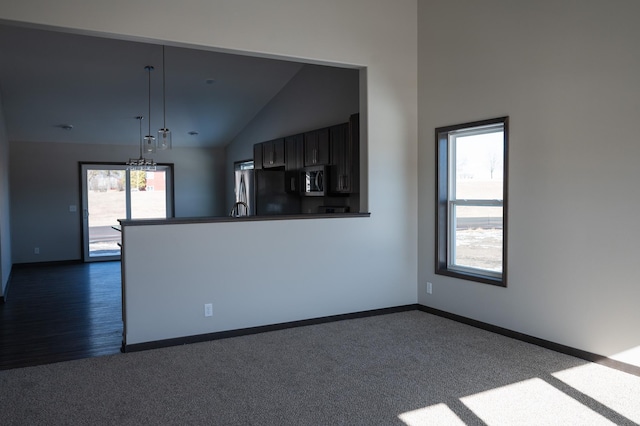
(51, 79)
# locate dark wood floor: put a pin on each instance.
(60, 312)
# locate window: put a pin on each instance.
(472, 201)
(113, 191)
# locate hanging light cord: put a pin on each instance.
(164, 96)
(140, 120)
(149, 68)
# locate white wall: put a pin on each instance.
(5, 222)
(45, 181)
(254, 273)
(369, 263)
(317, 96)
(567, 75)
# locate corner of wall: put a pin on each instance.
(5, 222)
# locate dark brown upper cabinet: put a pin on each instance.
(294, 162)
(316, 147)
(344, 171)
(336, 147)
(272, 153)
(294, 152)
(257, 156)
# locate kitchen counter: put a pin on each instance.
(223, 219)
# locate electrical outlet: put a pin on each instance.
(36, 250)
(429, 288)
(208, 309)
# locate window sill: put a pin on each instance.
(468, 276)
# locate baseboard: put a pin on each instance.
(261, 329)
(49, 263)
(578, 353)
(587, 356)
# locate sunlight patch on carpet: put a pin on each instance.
(530, 402)
(616, 389)
(438, 414)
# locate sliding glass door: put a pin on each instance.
(105, 196)
(111, 192)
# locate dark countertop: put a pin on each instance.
(223, 219)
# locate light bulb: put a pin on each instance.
(164, 139)
(149, 144)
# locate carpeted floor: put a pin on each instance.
(408, 368)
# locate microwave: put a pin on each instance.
(313, 181)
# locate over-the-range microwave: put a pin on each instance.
(313, 181)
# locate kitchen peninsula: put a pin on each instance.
(172, 268)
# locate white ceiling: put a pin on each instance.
(99, 85)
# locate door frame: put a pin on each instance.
(83, 166)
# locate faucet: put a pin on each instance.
(235, 210)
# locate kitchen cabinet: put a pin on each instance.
(332, 150)
(294, 162)
(272, 153)
(316, 147)
(294, 152)
(344, 170)
(257, 156)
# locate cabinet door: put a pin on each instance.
(294, 162)
(294, 152)
(257, 156)
(316, 147)
(273, 153)
(353, 143)
(341, 159)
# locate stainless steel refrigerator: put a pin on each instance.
(245, 188)
(271, 197)
(263, 191)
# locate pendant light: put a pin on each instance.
(149, 141)
(164, 134)
(141, 163)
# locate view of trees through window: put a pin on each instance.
(117, 193)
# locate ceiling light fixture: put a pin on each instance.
(164, 134)
(141, 163)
